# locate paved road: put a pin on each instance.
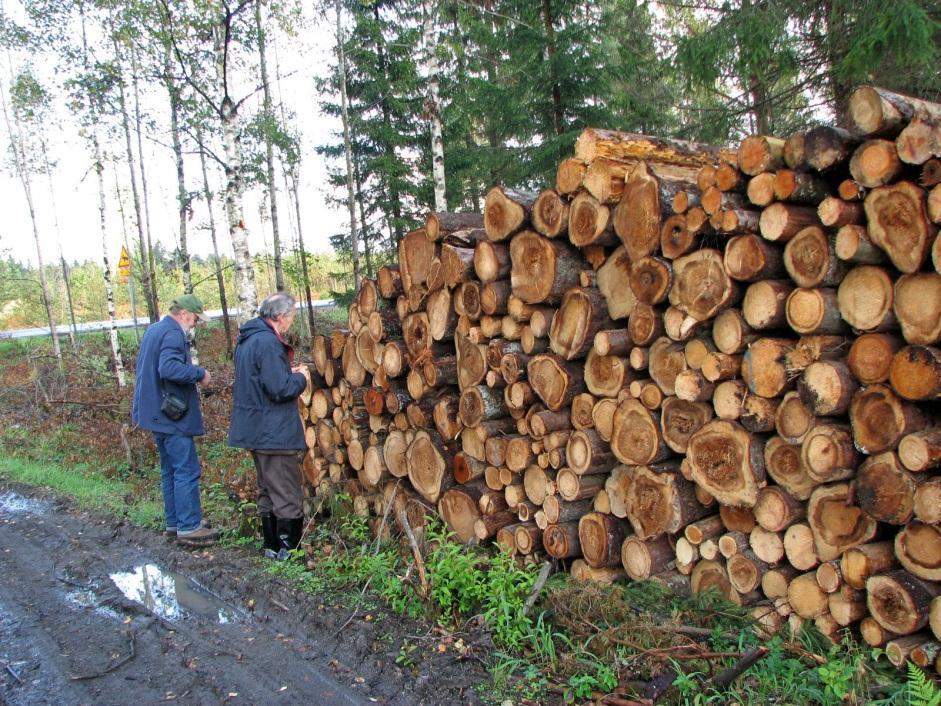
(63, 329)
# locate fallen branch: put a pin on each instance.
(13, 673)
(419, 563)
(727, 676)
(537, 587)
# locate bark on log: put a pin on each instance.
(899, 601)
(898, 223)
(782, 221)
(590, 222)
(492, 261)
(764, 306)
(825, 147)
(749, 258)
(859, 563)
(800, 187)
(885, 489)
(643, 559)
(660, 501)
(814, 312)
(760, 153)
(918, 548)
(827, 387)
(601, 537)
(593, 143)
(728, 462)
(542, 269)
(875, 111)
(389, 280)
(921, 450)
(561, 541)
(554, 380)
(880, 419)
(506, 211)
(675, 237)
(764, 366)
(581, 315)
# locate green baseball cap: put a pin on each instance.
(191, 303)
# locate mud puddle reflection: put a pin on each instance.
(173, 596)
(15, 504)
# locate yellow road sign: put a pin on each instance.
(124, 265)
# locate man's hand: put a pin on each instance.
(206, 378)
(298, 369)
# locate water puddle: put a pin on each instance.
(15, 504)
(173, 596)
(86, 598)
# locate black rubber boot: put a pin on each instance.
(269, 532)
(289, 533)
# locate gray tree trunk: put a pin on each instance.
(182, 196)
(348, 149)
(433, 104)
(146, 244)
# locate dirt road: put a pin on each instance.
(98, 612)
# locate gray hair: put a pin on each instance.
(275, 305)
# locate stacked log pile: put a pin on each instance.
(712, 368)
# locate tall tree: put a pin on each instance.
(432, 108)
(347, 144)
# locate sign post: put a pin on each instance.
(124, 273)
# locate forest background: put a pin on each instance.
(415, 105)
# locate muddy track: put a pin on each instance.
(203, 627)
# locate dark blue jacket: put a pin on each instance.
(264, 402)
(165, 354)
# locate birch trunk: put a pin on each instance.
(432, 107)
(348, 149)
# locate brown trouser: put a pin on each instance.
(279, 483)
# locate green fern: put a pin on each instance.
(922, 691)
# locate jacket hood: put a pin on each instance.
(251, 328)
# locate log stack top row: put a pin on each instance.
(716, 368)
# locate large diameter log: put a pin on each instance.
(875, 163)
(918, 548)
(593, 143)
(921, 450)
(680, 419)
(661, 501)
(601, 537)
(880, 419)
(471, 362)
(643, 559)
(728, 462)
(666, 361)
(885, 489)
(606, 375)
(783, 463)
(899, 601)
(416, 254)
(764, 306)
(711, 575)
(764, 367)
(875, 111)
(638, 216)
(837, 523)
(353, 369)
(918, 307)
(915, 373)
(811, 260)
(636, 437)
(776, 510)
(865, 298)
(556, 381)
(806, 597)
(919, 141)
(458, 508)
(429, 463)
(701, 287)
(898, 223)
(859, 563)
(542, 269)
(389, 281)
(561, 541)
(799, 546)
(582, 313)
(506, 211)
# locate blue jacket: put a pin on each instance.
(165, 354)
(264, 402)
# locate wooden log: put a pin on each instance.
(572, 486)
(785, 466)
(636, 436)
(659, 501)
(569, 175)
(793, 419)
(416, 255)
(745, 571)
(506, 212)
(782, 221)
(874, 634)
(825, 147)
(814, 312)
(479, 404)
(590, 222)
(760, 191)
(580, 413)
(728, 462)
(928, 501)
(641, 559)
(459, 509)
(606, 375)
(885, 489)
(581, 315)
(731, 333)
(471, 362)
(749, 258)
(875, 111)
(528, 537)
(594, 143)
(550, 214)
(675, 237)
(492, 261)
(645, 324)
(429, 461)
(711, 575)
(837, 523)
(834, 212)
(828, 453)
(557, 511)
(899, 601)
(811, 261)
(870, 357)
(827, 387)
(915, 373)
(613, 342)
(800, 187)
(601, 537)
(542, 269)
(701, 286)
(638, 216)
(586, 451)
(799, 547)
(918, 548)
(852, 244)
(582, 572)
(875, 163)
(764, 368)
(728, 398)
(760, 153)
(859, 563)
(794, 151)
(764, 306)
(776, 510)
(680, 419)
(898, 223)
(919, 141)
(880, 419)
(650, 279)
(389, 281)
(805, 596)
(554, 380)
(666, 361)
(917, 306)
(921, 450)
(561, 541)
(774, 581)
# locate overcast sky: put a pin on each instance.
(75, 185)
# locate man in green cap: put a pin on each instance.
(166, 401)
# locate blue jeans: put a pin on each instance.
(179, 474)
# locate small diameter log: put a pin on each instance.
(731, 543)
(764, 367)
(557, 511)
(428, 462)
(846, 605)
(544, 422)
(641, 559)
(767, 546)
(827, 387)
(550, 214)
(582, 572)
(581, 412)
(389, 281)
(528, 537)
(774, 582)
(506, 212)
(676, 239)
(491, 261)
(918, 307)
(921, 450)
(745, 571)
(880, 419)
(811, 260)
(728, 177)
(561, 541)
(731, 333)
(650, 279)
(645, 324)
(542, 269)
(859, 563)
(606, 375)
(613, 342)
(870, 357)
(814, 311)
(680, 419)
(760, 153)
(701, 286)
(601, 537)
(760, 190)
(494, 524)
(728, 462)
(458, 508)
(828, 453)
(919, 141)
(666, 360)
(852, 244)
(479, 404)
(569, 175)
(928, 501)
(902, 649)
(806, 597)
(661, 501)
(794, 419)
(885, 489)
(471, 362)
(590, 222)
(837, 524)
(899, 601)
(918, 548)
(799, 547)
(728, 398)
(692, 386)
(707, 528)
(794, 151)
(825, 147)
(800, 187)
(782, 221)
(602, 415)
(875, 163)
(898, 223)
(556, 381)
(711, 576)
(915, 373)
(611, 280)
(874, 634)
(581, 315)
(776, 510)
(834, 212)
(765, 304)
(749, 258)
(571, 486)
(636, 437)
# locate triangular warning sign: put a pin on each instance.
(125, 261)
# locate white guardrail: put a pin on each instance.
(63, 329)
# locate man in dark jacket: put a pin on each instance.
(164, 367)
(265, 420)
